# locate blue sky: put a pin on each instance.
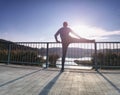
(38, 20)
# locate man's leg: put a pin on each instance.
(64, 51)
(82, 40)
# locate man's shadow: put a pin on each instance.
(48, 87)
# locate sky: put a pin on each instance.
(39, 20)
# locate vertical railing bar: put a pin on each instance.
(20, 52)
(33, 51)
(84, 51)
(98, 54)
(111, 53)
(114, 63)
(36, 47)
(9, 50)
(117, 54)
(30, 59)
(103, 54)
(106, 54)
(30, 45)
(81, 50)
(87, 47)
(70, 61)
(39, 53)
(101, 45)
(118, 51)
(91, 50)
(47, 50)
(16, 52)
(13, 49)
(13, 52)
(39, 44)
(95, 46)
(26, 54)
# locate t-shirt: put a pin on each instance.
(64, 33)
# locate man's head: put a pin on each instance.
(65, 24)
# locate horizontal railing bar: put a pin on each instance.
(70, 65)
(25, 62)
(59, 42)
(107, 42)
(36, 42)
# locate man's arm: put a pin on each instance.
(56, 35)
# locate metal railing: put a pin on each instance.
(108, 54)
(98, 54)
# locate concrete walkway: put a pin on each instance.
(22, 80)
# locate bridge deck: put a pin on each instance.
(22, 80)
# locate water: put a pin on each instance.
(69, 63)
(71, 60)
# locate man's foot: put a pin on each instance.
(62, 70)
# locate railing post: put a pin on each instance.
(9, 50)
(96, 67)
(47, 50)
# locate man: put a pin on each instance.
(66, 39)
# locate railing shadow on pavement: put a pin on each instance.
(11, 81)
(109, 81)
(48, 87)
